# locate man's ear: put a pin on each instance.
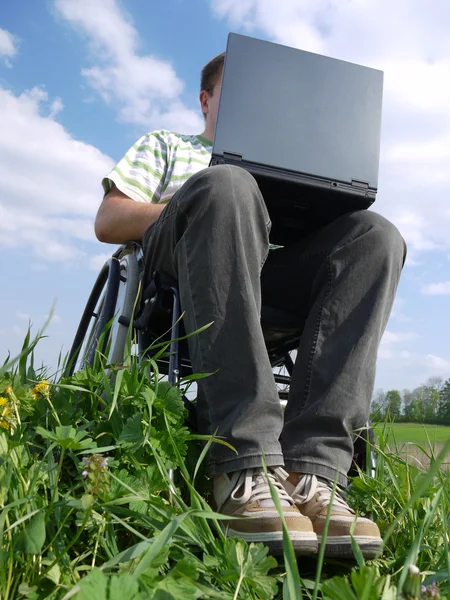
(204, 101)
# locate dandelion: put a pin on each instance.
(6, 414)
(41, 390)
(3, 401)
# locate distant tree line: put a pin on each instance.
(429, 403)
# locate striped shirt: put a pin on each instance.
(158, 164)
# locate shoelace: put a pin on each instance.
(309, 486)
(254, 486)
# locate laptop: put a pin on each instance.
(306, 126)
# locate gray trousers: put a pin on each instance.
(340, 280)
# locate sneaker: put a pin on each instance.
(312, 497)
(246, 494)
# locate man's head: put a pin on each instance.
(211, 80)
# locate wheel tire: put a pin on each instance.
(100, 306)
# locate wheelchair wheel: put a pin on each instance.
(126, 298)
(108, 311)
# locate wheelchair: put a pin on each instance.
(113, 307)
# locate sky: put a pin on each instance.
(82, 80)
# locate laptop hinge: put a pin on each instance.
(232, 156)
(359, 184)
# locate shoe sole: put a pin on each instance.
(341, 546)
(304, 544)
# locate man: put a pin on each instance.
(209, 229)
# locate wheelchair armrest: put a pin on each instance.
(127, 247)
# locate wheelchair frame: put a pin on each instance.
(113, 306)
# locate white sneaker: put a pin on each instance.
(246, 494)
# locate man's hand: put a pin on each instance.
(121, 219)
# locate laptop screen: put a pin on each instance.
(300, 112)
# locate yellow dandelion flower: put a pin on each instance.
(4, 424)
(3, 401)
(41, 389)
(6, 411)
(9, 390)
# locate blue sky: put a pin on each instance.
(80, 81)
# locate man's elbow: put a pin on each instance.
(101, 229)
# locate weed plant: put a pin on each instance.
(103, 496)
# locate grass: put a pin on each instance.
(420, 434)
(88, 509)
(416, 443)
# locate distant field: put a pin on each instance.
(414, 432)
(398, 435)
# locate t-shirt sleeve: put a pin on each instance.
(141, 172)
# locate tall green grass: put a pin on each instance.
(88, 509)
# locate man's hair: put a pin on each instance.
(211, 72)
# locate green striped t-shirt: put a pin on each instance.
(158, 164)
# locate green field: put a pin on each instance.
(416, 433)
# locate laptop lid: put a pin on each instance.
(300, 114)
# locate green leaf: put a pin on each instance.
(30, 592)
(292, 587)
(367, 582)
(105, 587)
(26, 349)
(32, 538)
(171, 399)
(67, 437)
(174, 588)
(196, 376)
(55, 572)
(132, 431)
(338, 588)
(95, 585)
(3, 444)
(123, 587)
(117, 386)
(160, 541)
(87, 500)
(5, 478)
(251, 565)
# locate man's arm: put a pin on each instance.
(121, 219)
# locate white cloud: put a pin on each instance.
(389, 343)
(399, 362)
(19, 331)
(145, 89)
(8, 46)
(96, 262)
(27, 317)
(409, 41)
(399, 368)
(50, 183)
(437, 289)
(398, 310)
(56, 107)
(23, 316)
(438, 365)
